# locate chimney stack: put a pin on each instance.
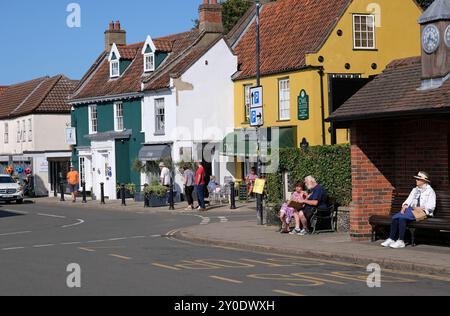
(210, 13)
(114, 34)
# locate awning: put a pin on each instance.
(244, 142)
(155, 152)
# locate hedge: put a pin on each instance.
(330, 165)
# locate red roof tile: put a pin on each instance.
(395, 93)
(3, 88)
(97, 81)
(289, 30)
(42, 95)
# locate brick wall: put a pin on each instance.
(385, 157)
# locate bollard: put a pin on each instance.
(83, 184)
(146, 197)
(102, 193)
(232, 196)
(171, 199)
(61, 187)
(122, 194)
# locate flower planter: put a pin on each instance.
(156, 201)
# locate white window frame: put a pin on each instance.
(112, 68)
(247, 101)
(6, 133)
(118, 117)
(364, 33)
(91, 119)
(160, 104)
(30, 130)
(148, 68)
(284, 99)
(24, 131)
(19, 133)
(82, 164)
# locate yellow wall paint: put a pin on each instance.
(397, 36)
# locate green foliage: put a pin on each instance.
(330, 165)
(232, 12)
(155, 189)
(131, 187)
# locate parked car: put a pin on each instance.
(10, 190)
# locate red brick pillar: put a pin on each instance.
(372, 191)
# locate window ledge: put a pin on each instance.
(366, 49)
(159, 134)
(283, 121)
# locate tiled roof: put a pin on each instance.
(289, 30)
(395, 93)
(176, 66)
(97, 82)
(3, 88)
(42, 95)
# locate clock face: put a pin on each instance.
(430, 39)
(447, 36)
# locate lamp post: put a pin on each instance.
(259, 197)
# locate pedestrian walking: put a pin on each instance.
(200, 186)
(73, 179)
(189, 181)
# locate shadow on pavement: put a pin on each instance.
(4, 214)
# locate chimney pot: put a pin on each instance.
(115, 34)
(211, 17)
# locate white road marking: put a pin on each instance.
(13, 248)
(79, 222)
(50, 215)
(16, 233)
(205, 220)
(17, 212)
(43, 246)
(223, 219)
(71, 243)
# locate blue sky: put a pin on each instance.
(35, 39)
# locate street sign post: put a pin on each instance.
(256, 107)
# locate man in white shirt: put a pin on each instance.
(422, 199)
(165, 175)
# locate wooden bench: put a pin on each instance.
(440, 221)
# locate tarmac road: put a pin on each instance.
(131, 253)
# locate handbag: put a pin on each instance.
(419, 214)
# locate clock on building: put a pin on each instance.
(447, 36)
(430, 39)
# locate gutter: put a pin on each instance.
(131, 95)
(322, 105)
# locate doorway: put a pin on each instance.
(341, 88)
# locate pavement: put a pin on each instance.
(135, 251)
(334, 246)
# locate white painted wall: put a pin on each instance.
(48, 134)
(200, 110)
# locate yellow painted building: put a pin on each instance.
(328, 49)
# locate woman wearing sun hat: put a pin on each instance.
(420, 204)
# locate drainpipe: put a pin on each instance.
(322, 106)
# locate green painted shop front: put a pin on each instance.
(127, 143)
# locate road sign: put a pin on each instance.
(256, 117)
(256, 94)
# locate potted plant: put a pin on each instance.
(130, 190)
(156, 195)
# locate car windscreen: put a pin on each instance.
(7, 180)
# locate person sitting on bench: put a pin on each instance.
(420, 204)
(293, 205)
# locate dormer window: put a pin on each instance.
(114, 69)
(148, 52)
(114, 62)
(149, 62)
